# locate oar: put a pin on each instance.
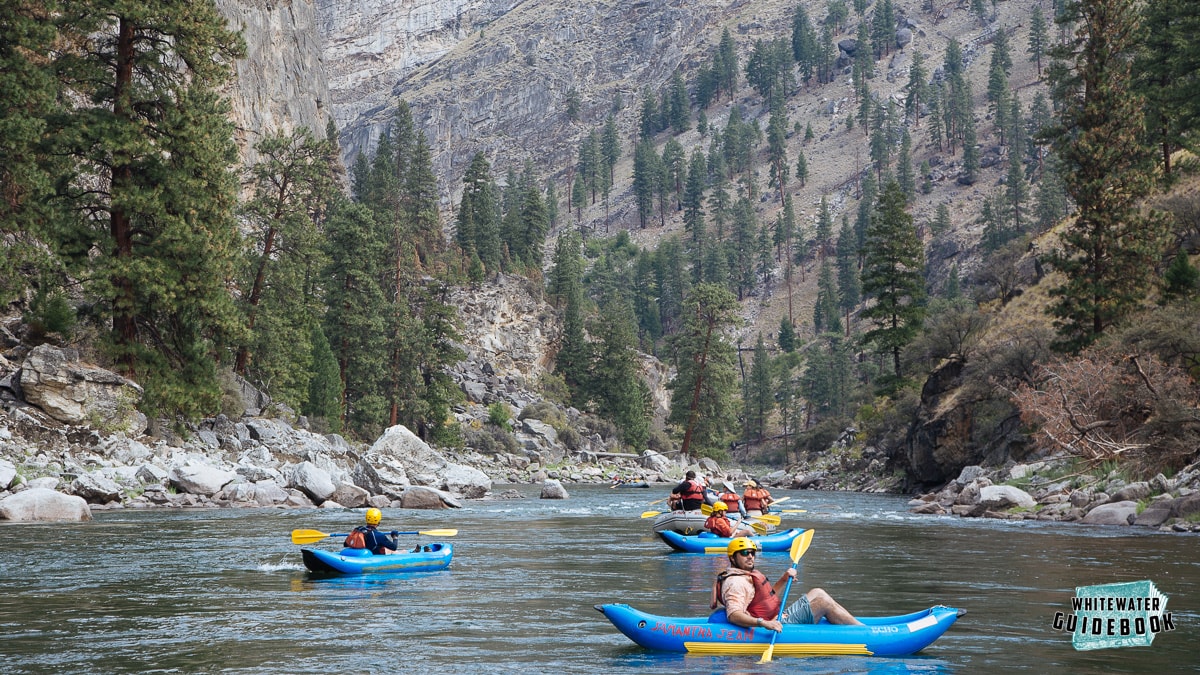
(766, 517)
(658, 501)
(650, 514)
(793, 510)
(798, 548)
(313, 536)
(779, 501)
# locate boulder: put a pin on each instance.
(41, 504)
(1113, 513)
(1132, 492)
(199, 479)
(74, 392)
(313, 481)
(96, 488)
(421, 497)
(655, 461)
(1004, 496)
(350, 495)
(552, 489)
(8, 472)
(412, 458)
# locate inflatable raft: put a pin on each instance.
(714, 635)
(431, 557)
(707, 542)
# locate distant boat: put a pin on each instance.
(630, 484)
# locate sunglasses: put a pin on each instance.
(747, 552)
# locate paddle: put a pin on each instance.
(766, 517)
(799, 546)
(658, 501)
(313, 536)
(650, 514)
(793, 510)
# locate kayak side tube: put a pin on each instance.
(432, 557)
(880, 636)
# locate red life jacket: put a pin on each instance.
(694, 491)
(719, 526)
(730, 499)
(754, 498)
(765, 604)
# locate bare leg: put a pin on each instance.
(824, 606)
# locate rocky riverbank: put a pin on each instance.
(1062, 489)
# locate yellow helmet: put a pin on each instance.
(374, 516)
(740, 544)
(719, 506)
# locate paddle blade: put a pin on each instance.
(650, 514)
(706, 509)
(307, 536)
(766, 657)
(779, 501)
(438, 533)
(769, 519)
(800, 546)
(793, 510)
(759, 528)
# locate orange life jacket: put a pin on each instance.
(730, 499)
(756, 498)
(694, 491)
(765, 604)
(719, 525)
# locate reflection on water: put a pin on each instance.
(224, 591)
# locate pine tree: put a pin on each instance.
(292, 185)
(703, 391)
(1165, 75)
(681, 105)
(1181, 278)
(356, 322)
(848, 282)
(323, 402)
(777, 145)
(620, 394)
(1106, 170)
(904, 167)
(1039, 37)
(787, 335)
(478, 224)
(893, 276)
(610, 145)
(645, 179)
(759, 399)
(826, 317)
(801, 168)
(804, 44)
(693, 198)
(917, 88)
(150, 148)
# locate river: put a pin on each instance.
(206, 591)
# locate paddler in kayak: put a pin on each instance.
(369, 537)
(722, 526)
(751, 601)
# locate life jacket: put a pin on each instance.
(694, 490)
(755, 499)
(765, 604)
(730, 499)
(356, 539)
(719, 526)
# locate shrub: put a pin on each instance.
(499, 414)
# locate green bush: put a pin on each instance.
(499, 414)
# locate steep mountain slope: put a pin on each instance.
(503, 89)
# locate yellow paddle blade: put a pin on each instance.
(658, 501)
(766, 657)
(779, 501)
(800, 546)
(769, 518)
(758, 528)
(307, 536)
(793, 510)
(706, 509)
(436, 533)
(650, 514)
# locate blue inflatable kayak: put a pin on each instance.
(714, 635)
(707, 542)
(431, 557)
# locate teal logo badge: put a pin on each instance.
(1115, 615)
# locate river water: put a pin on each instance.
(206, 591)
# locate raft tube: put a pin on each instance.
(707, 542)
(715, 636)
(431, 557)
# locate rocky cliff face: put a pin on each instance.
(501, 87)
(281, 84)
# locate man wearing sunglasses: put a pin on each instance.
(751, 601)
